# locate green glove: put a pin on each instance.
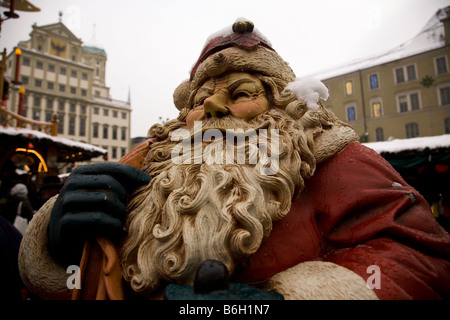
(91, 203)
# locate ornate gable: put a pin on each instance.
(59, 31)
(57, 40)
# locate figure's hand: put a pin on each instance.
(91, 203)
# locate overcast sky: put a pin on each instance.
(152, 45)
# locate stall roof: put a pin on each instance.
(64, 145)
(414, 152)
(412, 144)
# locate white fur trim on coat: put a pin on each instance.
(39, 272)
(320, 280)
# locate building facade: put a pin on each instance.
(403, 93)
(64, 77)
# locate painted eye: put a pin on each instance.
(241, 94)
(200, 100)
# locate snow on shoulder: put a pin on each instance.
(310, 90)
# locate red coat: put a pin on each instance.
(357, 211)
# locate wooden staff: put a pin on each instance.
(100, 273)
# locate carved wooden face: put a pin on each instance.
(237, 94)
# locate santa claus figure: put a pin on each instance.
(254, 174)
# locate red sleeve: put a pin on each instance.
(368, 215)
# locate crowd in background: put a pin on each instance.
(18, 203)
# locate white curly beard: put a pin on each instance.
(193, 212)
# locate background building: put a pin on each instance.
(64, 77)
(403, 93)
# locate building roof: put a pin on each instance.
(93, 46)
(432, 36)
(95, 50)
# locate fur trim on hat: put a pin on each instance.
(260, 60)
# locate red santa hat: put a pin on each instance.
(239, 47)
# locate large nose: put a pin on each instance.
(216, 105)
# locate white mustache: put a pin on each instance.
(225, 128)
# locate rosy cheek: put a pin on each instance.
(248, 110)
(192, 116)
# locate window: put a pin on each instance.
(95, 130)
(444, 94)
(25, 80)
(123, 133)
(61, 106)
(83, 109)
(349, 87)
(51, 68)
(72, 108)
(83, 92)
(84, 76)
(36, 114)
(71, 125)
(62, 71)
(351, 113)
(408, 102)
(114, 133)
(379, 134)
(49, 103)
(37, 83)
(411, 71)
(50, 85)
(60, 123)
(73, 74)
(105, 131)
(447, 125)
(404, 74)
(373, 81)
(26, 62)
(105, 112)
(73, 90)
(62, 88)
(82, 132)
(114, 152)
(414, 97)
(403, 103)
(400, 77)
(124, 115)
(376, 109)
(412, 130)
(441, 65)
(48, 117)
(123, 151)
(39, 65)
(114, 114)
(37, 102)
(96, 110)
